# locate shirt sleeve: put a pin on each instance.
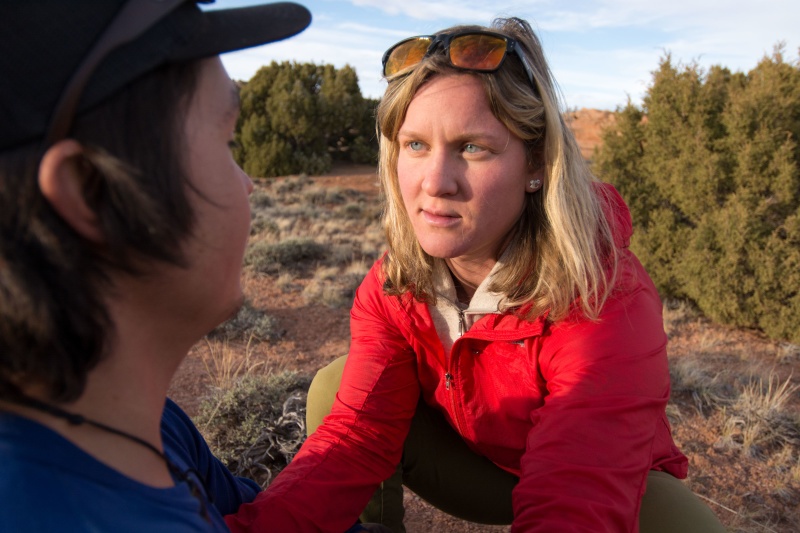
(360, 443)
(592, 442)
(185, 446)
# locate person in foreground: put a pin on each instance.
(123, 222)
(508, 351)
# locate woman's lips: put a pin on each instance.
(440, 219)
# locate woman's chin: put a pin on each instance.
(440, 251)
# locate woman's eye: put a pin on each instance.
(415, 146)
(472, 148)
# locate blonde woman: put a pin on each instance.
(508, 351)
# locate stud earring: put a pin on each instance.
(534, 185)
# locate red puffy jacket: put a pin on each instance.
(575, 408)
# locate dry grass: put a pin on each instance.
(758, 420)
(690, 375)
(303, 227)
(787, 353)
(286, 281)
(335, 287)
(225, 365)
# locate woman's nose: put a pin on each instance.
(439, 175)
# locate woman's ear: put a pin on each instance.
(62, 181)
(534, 180)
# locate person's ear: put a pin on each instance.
(534, 180)
(62, 181)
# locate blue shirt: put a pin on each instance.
(49, 484)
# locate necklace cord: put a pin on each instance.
(76, 419)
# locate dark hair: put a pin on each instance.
(54, 324)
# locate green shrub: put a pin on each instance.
(292, 253)
(333, 288)
(710, 166)
(293, 184)
(260, 199)
(300, 117)
(248, 322)
(262, 224)
(351, 211)
(325, 196)
(257, 426)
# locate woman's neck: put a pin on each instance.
(467, 276)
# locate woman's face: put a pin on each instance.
(462, 173)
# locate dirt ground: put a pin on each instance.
(749, 493)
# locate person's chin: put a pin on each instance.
(440, 252)
(232, 310)
(237, 306)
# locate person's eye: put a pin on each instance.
(415, 146)
(472, 148)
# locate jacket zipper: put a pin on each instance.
(459, 418)
(448, 377)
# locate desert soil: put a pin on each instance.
(744, 491)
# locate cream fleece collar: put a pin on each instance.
(452, 318)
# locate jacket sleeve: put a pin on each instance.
(360, 443)
(591, 446)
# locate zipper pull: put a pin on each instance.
(447, 377)
(462, 326)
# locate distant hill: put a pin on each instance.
(587, 125)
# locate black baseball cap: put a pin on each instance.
(46, 44)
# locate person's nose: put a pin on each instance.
(439, 175)
(247, 181)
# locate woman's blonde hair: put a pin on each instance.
(562, 248)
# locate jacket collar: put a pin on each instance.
(483, 301)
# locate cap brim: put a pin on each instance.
(228, 30)
(33, 77)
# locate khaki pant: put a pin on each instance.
(440, 468)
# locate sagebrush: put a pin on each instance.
(256, 426)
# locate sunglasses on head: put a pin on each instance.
(475, 50)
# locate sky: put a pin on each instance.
(601, 52)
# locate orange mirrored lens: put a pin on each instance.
(406, 55)
(477, 52)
